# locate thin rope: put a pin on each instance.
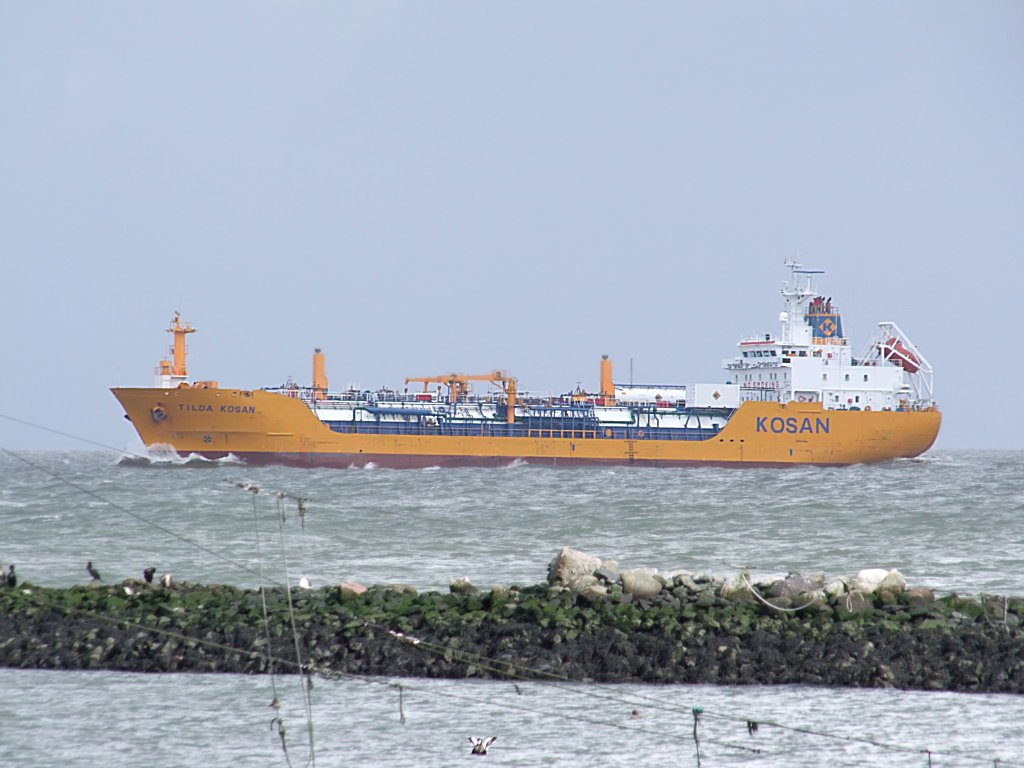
(276, 701)
(753, 591)
(501, 668)
(263, 594)
(135, 515)
(330, 674)
(306, 697)
(73, 437)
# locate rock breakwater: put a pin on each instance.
(588, 621)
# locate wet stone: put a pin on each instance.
(682, 636)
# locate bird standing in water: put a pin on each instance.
(93, 572)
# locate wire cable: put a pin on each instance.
(498, 667)
(135, 515)
(295, 632)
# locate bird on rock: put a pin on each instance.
(12, 580)
(166, 580)
(480, 745)
(148, 575)
(93, 572)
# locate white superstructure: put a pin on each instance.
(810, 360)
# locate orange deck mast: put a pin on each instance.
(177, 370)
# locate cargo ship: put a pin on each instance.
(797, 397)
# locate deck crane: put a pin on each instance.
(458, 386)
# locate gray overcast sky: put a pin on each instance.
(434, 186)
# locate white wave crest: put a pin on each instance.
(165, 455)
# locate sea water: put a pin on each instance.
(950, 521)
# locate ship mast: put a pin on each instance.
(171, 374)
(797, 291)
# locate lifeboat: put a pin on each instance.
(894, 350)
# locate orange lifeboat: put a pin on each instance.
(894, 350)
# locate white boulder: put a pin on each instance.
(642, 583)
(569, 564)
(871, 580)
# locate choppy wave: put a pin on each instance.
(949, 520)
(178, 719)
(163, 455)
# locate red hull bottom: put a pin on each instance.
(395, 461)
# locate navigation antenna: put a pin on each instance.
(793, 288)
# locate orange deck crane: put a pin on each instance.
(458, 386)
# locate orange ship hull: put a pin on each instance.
(261, 427)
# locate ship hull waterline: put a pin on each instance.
(262, 428)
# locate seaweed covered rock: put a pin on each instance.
(638, 625)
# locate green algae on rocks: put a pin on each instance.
(588, 621)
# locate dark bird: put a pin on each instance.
(480, 745)
(148, 575)
(93, 572)
(12, 580)
(751, 727)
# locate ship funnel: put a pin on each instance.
(607, 387)
(319, 377)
